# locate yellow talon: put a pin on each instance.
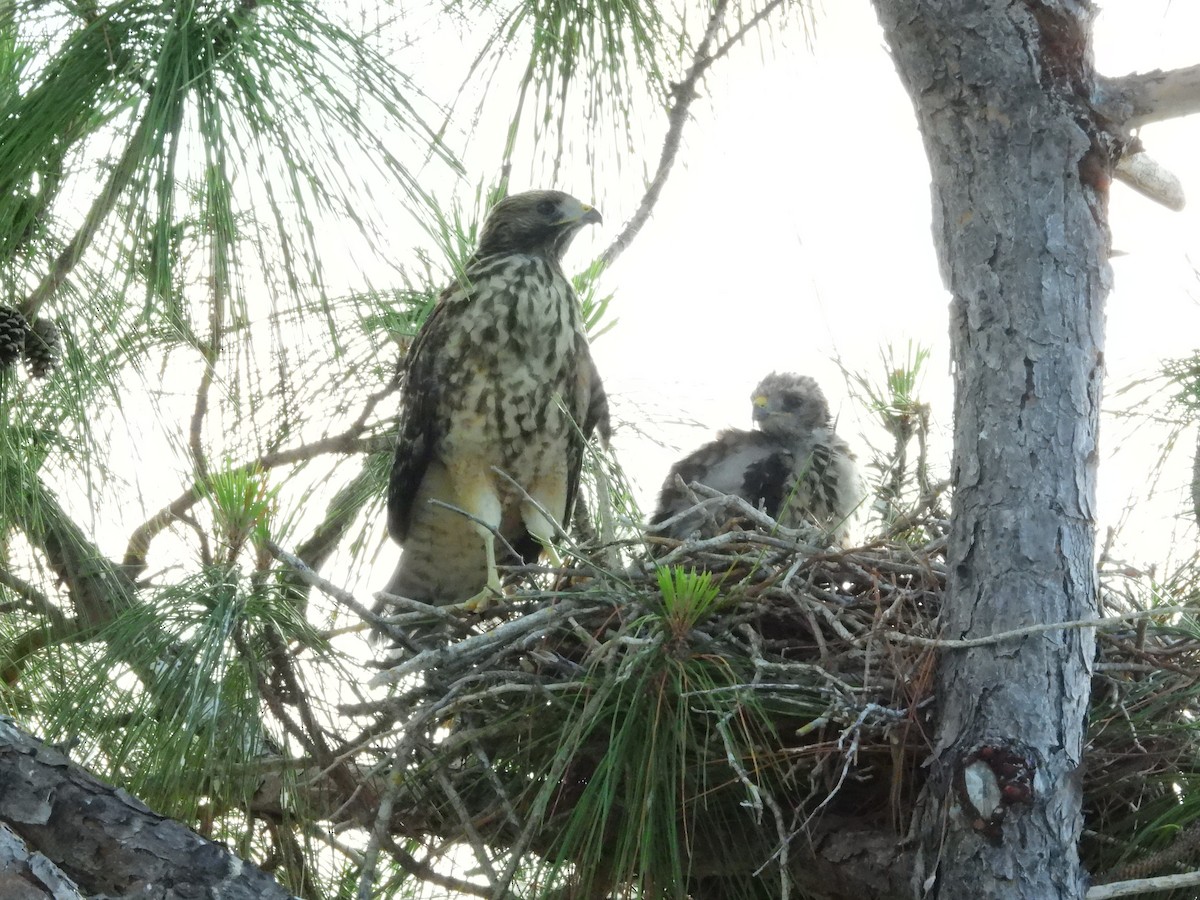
(552, 556)
(485, 599)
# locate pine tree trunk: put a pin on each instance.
(1019, 183)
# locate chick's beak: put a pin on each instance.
(759, 413)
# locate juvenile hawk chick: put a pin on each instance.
(499, 377)
(795, 466)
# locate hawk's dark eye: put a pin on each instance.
(547, 208)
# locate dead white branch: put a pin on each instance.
(1143, 97)
(1150, 179)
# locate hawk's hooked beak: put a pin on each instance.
(573, 216)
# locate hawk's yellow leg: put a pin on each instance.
(478, 497)
(493, 590)
(550, 492)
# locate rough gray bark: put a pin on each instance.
(1020, 171)
(28, 875)
(107, 842)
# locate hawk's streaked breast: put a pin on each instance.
(499, 376)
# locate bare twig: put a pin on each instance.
(1143, 886)
(1107, 622)
(122, 174)
(426, 872)
(341, 595)
(464, 817)
(758, 799)
(476, 645)
(684, 93)
(348, 441)
(379, 832)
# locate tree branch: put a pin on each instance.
(1149, 178)
(1140, 98)
(324, 539)
(38, 601)
(1143, 886)
(28, 874)
(99, 590)
(897, 637)
(308, 576)
(196, 427)
(1196, 481)
(122, 174)
(59, 809)
(684, 93)
(349, 441)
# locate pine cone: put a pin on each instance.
(13, 331)
(43, 347)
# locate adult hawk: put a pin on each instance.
(499, 377)
(795, 466)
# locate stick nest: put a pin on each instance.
(798, 700)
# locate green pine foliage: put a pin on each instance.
(190, 193)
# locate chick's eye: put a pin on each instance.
(546, 208)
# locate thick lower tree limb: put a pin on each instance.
(105, 840)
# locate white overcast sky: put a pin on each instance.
(797, 227)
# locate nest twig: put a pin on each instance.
(831, 651)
